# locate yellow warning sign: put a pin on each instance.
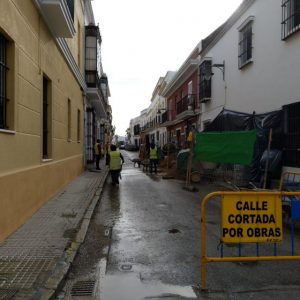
(251, 218)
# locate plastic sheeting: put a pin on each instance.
(229, 120)
(234, 147)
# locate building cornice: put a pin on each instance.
(93, 94)
(89, 14)
(64, 48)
(187, 69)
(66, 52)
(227, 25)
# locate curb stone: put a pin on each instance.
(56, 281)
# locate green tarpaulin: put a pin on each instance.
(234, 147)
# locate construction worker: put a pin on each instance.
(97, 151)
(190, 137)
(114, 159)
(153, 157)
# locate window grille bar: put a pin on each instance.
(292, 135)
(45, 118)
(3, 70)
(70, 4)
(245, 45)
(204, 84)
(290, 17)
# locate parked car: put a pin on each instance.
(122, 146)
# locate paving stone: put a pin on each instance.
(37, 250)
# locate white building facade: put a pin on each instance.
(260, 66)
(134, 132)
(251, 64)
(152, 128)
(97, 116)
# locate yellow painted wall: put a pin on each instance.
(26, 180)
(25, 191)
(78, 51)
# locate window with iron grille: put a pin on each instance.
(292, 135)
(70, 4)
(69, 119)
(78, 125)
(136, 129)
(245, 44)
(164, 117)
(204, 81)
(46, 118)
(3, 70)
(290, 17)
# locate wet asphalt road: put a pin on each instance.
(144, 243)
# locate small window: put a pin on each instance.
(205, 81)
(190, 87)
(245, 44)
(79, 44)
(47, 118)
(78, 125)
(69, 120)
(290, 17)
(3, 81)
(291, 121)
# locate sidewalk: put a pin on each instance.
(35, 259)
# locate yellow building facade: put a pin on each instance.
(41, 106)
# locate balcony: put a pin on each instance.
(164, 117)
(93, 31)
(136, 130)
(148, 126)
(95, 94)
(187, 103)
(59, 16)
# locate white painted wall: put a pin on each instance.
(133, 137)
(150, 113)
(272, 80)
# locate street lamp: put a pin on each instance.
(208, 74)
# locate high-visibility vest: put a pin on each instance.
(96, 149)
(115, 160)
(153, 153)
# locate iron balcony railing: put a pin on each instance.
(93, 30)
(164, 117)
(136, 129)
(93, 81)
(188, 102)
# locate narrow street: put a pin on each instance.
(144, 235)
(144, 243)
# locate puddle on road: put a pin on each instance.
(129, 287)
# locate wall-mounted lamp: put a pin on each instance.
(208, 72)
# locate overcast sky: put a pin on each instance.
(143, 39)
